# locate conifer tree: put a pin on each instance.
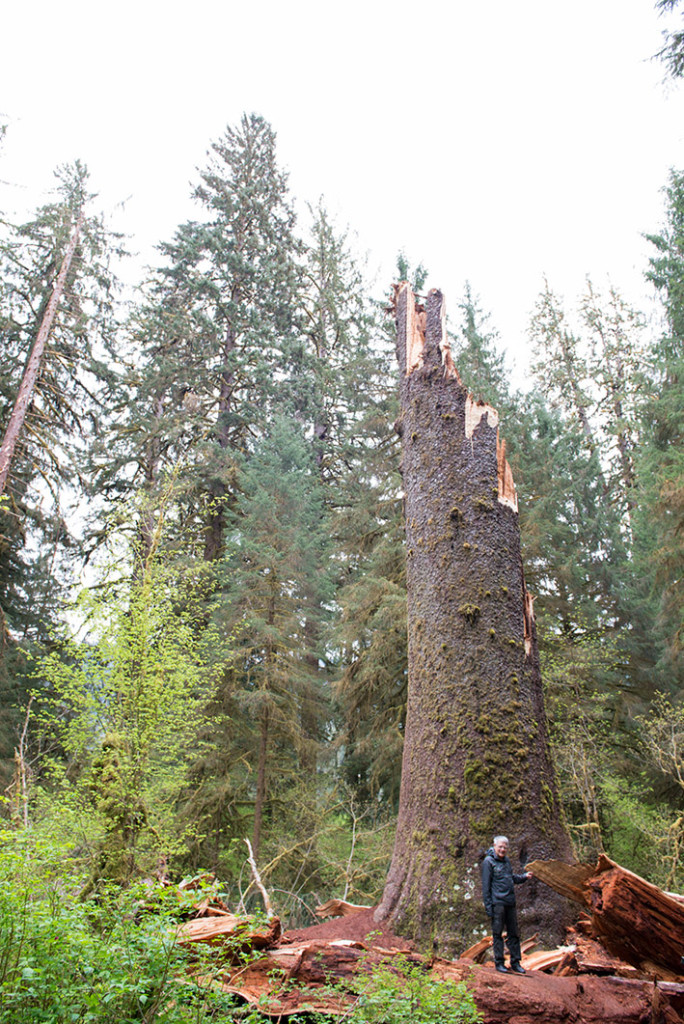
(47, 469)
(274, 579)
(592, 381)
(660, 529)
(476, 750)
(353, 393)
(207, 341)
(480, 364)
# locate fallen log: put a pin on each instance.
(315, 977)
(633, 919)
(227, 927)
(540, 997)
(339, 908)
(319, 978)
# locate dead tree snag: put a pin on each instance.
(476, 758)
(35, 360)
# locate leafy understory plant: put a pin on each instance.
(402, 993)
(127, 704)
(110, 960)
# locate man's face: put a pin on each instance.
(501, 848)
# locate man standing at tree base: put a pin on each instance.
(498, 893)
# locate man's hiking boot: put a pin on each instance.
(517, 969)
(502, 969)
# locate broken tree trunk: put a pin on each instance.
(632, 918)
(229, 927)
(35, 360)
(476, 759)
(324, 977)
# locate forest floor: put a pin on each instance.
(340, 947)
(359, 927)
(621, 963)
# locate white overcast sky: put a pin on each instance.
(497, 142)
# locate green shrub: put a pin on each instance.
(110, 960)
(402, 993)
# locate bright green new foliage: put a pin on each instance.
(402, 993)
(127, 705)
(112, 960)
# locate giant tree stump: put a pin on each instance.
(476, 758)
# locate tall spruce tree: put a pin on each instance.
(474, 345)
(660, 531)
(592, 379)
(46, 473)
(274, 580)
(207, 342)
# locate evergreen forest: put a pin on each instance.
(202, 564)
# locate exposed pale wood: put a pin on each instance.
(259, 884)
(477, 952)
(567, 879)
(202, 929)
(544, 959)
(339, 908)
(218, 929)
(475, 412)
(507, 492)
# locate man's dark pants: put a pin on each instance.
(505, 917)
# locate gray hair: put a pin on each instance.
(500, 839)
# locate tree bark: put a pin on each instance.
(476, 759)
(216, 523)
(260, 797)
(28, 381)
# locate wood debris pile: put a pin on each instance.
(618, 964)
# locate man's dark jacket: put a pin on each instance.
(498, 880)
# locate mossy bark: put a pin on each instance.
(476, 757)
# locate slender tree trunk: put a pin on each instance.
(148, 518)
(476, 760)
(213, 545)
(28, 382)
(260, 798)
(21, 774)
